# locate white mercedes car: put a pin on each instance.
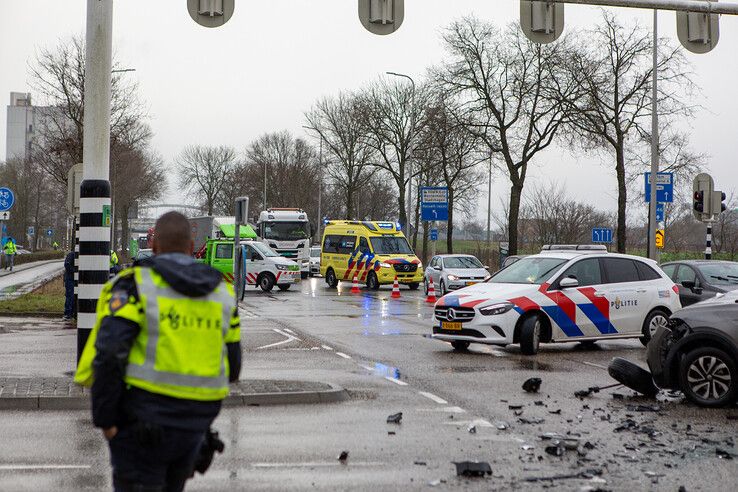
(564, 294)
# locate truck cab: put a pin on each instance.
(287, 231)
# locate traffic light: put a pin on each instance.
(211, 13)
(699, 202)
(718, 203)
(697, 31)
(381, 16)
(541, 21)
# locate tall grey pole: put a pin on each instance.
(410, 163)
(653, 252)
(320, 190)
(264, 206)
(94, 203)
(489, 204)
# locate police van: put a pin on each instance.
(374, 252)
(566, 293)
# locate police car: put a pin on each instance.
(567, 293)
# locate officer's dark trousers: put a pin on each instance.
(68, 296)
(164, 466)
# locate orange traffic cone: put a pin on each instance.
(355, 287)
(395, 289)
(431, 299)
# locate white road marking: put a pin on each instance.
(341, 354)
(396, 381)
(317, 464)
(367, 368)
(433, 397)
(289, 338)
(327, 347)
(443, 409)
(290, 331)
(45, 467)
(477, 423)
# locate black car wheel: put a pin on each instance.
(460, 345)
(655, 320)
(425, 285)
(372, 282)
(530, 335)
(707, 377)
(633, 376)
(414, 285)
(284, 287)
(330, 279)
(266, 282)
(442, 288)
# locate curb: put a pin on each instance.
(333, 395)
(28, 266)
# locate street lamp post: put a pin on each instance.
(410, 163)
(320, 181)
(653, 252)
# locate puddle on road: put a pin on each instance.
(533, 365)
(466, 369)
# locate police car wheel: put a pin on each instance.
(655, 319)
(330, 279)
(372, 282)
(266, 282)
(460, 345)
(633, 376)
(708, 377)
(530, 335)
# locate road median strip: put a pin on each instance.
(57, 393)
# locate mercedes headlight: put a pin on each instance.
(385, 265)
(496, 309)
(283, 268)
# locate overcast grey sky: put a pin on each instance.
(263, 69)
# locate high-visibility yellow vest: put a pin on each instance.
(180, 350)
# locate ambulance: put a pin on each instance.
(375, 252)
(567, 293)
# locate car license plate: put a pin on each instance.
(470, 283)
(451, 325)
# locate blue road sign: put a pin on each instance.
(434, 234)
(49, 232)
(434, 203)
(664, 187)
(659, 212)
(601, 235)
(31, 230)
(7, 199)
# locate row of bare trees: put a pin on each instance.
(137, 172)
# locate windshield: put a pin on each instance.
(314, 252)
(528, 271)
(461, 262)
(720, 273)
(264, 250)
(286, 231)
(391, 245)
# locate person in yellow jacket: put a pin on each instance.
(159, 359)
(114, 268)
(10, 251)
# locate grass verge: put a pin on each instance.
(46, 300)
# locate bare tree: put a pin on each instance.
(726, 229)
(512, 88)
(338, 122)
(612, 104)
(451, 150)
(58, 77)
(392, 112)
(205, 170)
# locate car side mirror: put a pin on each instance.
(689, 284)
(486, 267)
(568, 283)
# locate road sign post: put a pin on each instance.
(241, 218)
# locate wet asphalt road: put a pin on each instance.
(376, 347)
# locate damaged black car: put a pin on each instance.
(697, 353)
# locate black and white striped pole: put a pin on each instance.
(94, 202)
(708, 241)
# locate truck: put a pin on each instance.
(262, 267)
(287, 231)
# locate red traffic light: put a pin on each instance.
(699, 196)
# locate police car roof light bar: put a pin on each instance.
(574, 247)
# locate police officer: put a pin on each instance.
(114, 268)
(10, 251)
(165, 345)
(69, 286)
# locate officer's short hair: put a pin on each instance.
(172, 233)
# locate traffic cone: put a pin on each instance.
(395, 289)
(355, 287)
(431, 299)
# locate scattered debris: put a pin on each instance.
(395, 418)
(587, 474)
(391, 433)
(555, 412)
(643, 408)
(502, 426)
(527, 447)
(538, 403)
(514, 407)
(556, 449)
(589, 445)
(618, 396)
(532, 385)
(731, 417)
(472, 429)
(472, 468)
(420, 463)
(343, 456)
(594, 389)
(723, 454)
(523, 420)
(438, 481)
